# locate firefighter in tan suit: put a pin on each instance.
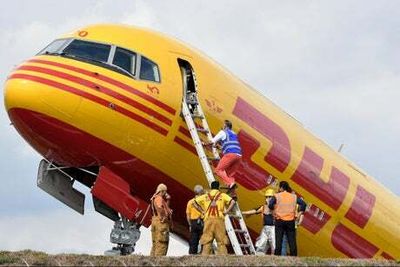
(161, 221)
(212, 206)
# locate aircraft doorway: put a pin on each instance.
(189, 84)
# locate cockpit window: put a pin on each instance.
(88, 50)
(149, 70)
(54, 47)
(125, 59)
(107, 56)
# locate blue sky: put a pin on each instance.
(332, 65)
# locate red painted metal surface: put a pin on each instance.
(69, 146)
(313, 221)
(108, 80)
(249, 174)
(361, 208)
(308, 173)
(185, 144)
(351, 244)
(279, 155)
(92, 98)
(99, 88)
(387, 256)
(115, 192)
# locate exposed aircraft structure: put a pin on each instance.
(102, 105)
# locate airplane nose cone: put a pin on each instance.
(33, 103)
(34, 92)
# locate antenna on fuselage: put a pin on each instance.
(340, 148)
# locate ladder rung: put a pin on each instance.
(235, 225)
(191, 102)
(202, 130)
(198, 116)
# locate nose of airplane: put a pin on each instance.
(38, 93)
(35, 105)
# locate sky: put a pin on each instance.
(333, 65)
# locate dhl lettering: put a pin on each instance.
(308, 173)
(361, 208)
(387, 256)
(279, 154)
(351, 244)
(315, 219)
(249, 174)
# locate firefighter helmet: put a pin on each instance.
(269, 192)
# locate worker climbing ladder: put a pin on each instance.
(191, 110)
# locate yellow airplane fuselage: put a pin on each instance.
(76, 113)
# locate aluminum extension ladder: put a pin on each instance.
(235, 225)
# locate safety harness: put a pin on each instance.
(212, 210)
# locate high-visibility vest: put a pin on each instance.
(164, 212)
(231, 143)
(285, 207)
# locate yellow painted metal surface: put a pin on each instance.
(218, 91)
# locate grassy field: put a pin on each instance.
(33, 258)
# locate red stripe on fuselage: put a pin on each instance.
(110, 81)
(100, 88)
(387, 256)
(70, 146)
(92, 98)
(186, 145)
(351, 244)
(185, 132)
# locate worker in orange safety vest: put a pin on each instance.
(284, 206)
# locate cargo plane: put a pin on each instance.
(102, 105)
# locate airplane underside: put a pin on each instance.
(111, 198)
(123, 200)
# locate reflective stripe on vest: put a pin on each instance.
(213, 208)
(231, 143)
(285, 207)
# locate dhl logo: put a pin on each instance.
(345, 211)
(307, 174)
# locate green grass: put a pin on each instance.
(7, 258)
(28, 257)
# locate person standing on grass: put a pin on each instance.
(284, 206)
(195, 221)
(267, 237)
(212, 205)
(161, 221)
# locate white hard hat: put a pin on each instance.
(161, 187)
(198, 189)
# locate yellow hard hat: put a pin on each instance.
(269, 192)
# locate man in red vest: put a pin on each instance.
(284, 205)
